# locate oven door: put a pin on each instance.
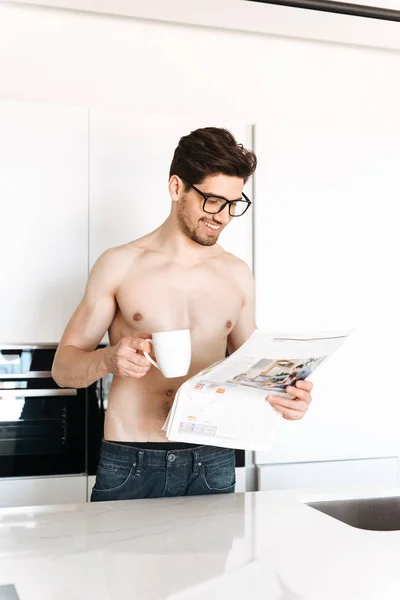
(42, 430)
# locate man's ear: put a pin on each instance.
(175, 187)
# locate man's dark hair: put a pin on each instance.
(211, 151)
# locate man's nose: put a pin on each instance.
(223, 216)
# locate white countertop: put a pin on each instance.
(260, 545)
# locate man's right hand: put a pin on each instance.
(124, 359)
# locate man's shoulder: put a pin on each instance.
(119, 258)
(236, 265)
(239, 271)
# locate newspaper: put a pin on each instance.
(225, 405)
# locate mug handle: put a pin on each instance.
(147, 355)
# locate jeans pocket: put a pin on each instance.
(111, 477)
(219, 478)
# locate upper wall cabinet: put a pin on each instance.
(130, 156)
(44, 218)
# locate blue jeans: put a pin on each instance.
(126, 472)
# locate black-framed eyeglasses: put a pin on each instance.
(215, 204)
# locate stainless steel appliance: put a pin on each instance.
(42, 426)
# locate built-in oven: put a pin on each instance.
(42, 426)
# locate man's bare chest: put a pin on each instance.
(159, 299)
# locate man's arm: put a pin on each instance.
(77, 363)
(246, 323)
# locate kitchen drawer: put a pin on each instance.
(33, 491)
(372, 471)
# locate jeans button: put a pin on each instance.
(171, 457)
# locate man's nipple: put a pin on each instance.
(228, 324)
(137, 316)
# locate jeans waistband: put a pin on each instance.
(202, 453)
(157, 445)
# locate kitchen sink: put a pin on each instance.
(375, 514)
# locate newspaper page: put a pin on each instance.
(225, 405)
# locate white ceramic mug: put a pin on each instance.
(173, 352)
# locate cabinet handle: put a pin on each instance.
(29, 375)
(22, 392)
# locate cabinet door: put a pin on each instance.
(44, 218)
(326, 257)
(130, 156)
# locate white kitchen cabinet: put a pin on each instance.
(326, 257)
(240, 479)
(329, 474)
(34, 491)
(130, 157)
(91, 480)
(44, 218)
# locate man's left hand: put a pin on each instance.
(294, 409)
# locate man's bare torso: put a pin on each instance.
(155, 293)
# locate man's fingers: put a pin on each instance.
(132, 374)
(140, 344)
(130, 369)
(133, 359)
(136, 363)
(301, 394)
(296, 405)
(304, 385)
(136, 344)
(292, 410)
(291, 415)
(144, 335)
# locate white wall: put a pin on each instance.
(239, 16)
(100, 61)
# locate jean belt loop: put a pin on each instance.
(139, 463)
(196, 462)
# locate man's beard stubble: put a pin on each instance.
(184, 223)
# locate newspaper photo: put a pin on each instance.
(225, 405)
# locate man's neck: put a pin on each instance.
(179, 247)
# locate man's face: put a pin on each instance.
(198, 225)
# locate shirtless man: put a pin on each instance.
(176, 277)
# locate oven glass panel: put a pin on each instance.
(42, 426)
